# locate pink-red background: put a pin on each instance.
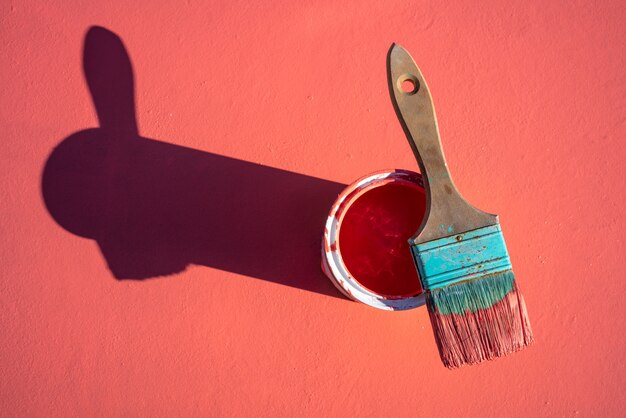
(531, 104)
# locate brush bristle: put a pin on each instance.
(479, 319)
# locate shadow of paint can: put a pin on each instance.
(365, 252)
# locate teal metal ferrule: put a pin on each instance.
(461, 257)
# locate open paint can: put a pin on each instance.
(365, 252)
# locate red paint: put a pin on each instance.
(373, 238)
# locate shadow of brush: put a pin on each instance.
(154, 208)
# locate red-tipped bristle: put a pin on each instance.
(485, 334)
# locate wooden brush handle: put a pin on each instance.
(447, 213)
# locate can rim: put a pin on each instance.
(332, 262)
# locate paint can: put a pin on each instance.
(365, 252)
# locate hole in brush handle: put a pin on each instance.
(408, 84)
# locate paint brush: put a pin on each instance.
(475, 307)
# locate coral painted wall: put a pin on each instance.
(164, 259)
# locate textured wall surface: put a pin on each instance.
(173, 270)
